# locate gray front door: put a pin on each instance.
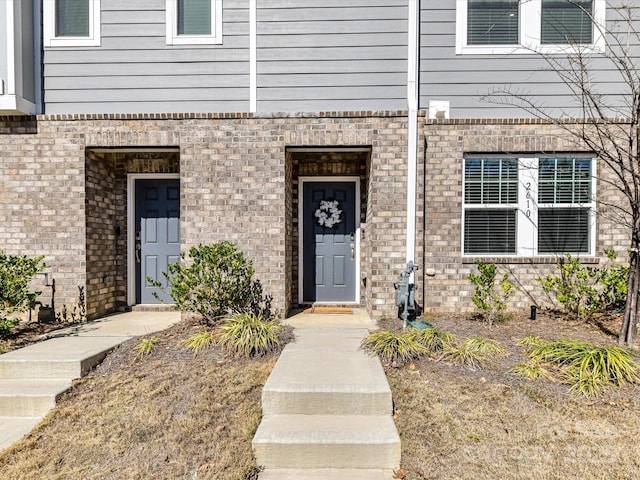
(157, 235)
(329, 243)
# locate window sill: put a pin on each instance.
(527, 260)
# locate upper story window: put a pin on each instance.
(71, 23)
(527, 26)
(194, 22)
(528, 206)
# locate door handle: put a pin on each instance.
(353, 251)
(138, 247)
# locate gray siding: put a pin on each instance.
(134, 71)
(331, 55)
(463, 80)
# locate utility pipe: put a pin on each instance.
(412, 119)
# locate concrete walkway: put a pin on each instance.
(327, 408)
(33, 378)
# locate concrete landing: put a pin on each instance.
(327, 407)
(32, 378)
(326, 474)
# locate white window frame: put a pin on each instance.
(529, 28)
(527, 208)
(172, 26)
(49, 27)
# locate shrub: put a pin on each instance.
(583, 290)
(216, 280)
(474, 351)
(200, 341)
(146, 346)
(434, 339)
(16, 272)
(586, 367)
(248, 335)
(490, 298)
(394, 348)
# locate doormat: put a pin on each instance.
(330, 310)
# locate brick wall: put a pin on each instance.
(447, 142)
(63, 183)
(42, 198)
(63, 192)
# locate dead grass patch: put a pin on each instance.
(488, 423)
(167, 415)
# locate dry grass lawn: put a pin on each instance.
(457, 423)
(168, 415)
(173, 415)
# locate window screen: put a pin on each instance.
(194, 17)
(72, 18)
(566, 22)
(492, 22)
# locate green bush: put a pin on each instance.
(248, 335)
(215, 281)
(394, 348)
(586, 367)
(490, 297)
(200, 341)
(16, 272)
(474, 352)
(583, 290)
(434, 339)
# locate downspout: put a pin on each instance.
(412, 119)
(253, 57)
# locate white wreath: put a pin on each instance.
(328, 214)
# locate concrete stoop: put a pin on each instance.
(327, 411)
(326, 474)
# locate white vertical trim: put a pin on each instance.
(412, 119)
(131, 226)
(253, 57)
(301, 182)
(10, 88)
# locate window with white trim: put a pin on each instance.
(528, 26)
(194, 22)
(71, 23)
(528, 206)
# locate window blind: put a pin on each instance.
(564, 180)
(566, 22)
(563, 230)
(194, 17)
(490, 231)
(492, 22)
(72, 18)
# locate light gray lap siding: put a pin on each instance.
(331, 55)
(135, 71)
(464, 80)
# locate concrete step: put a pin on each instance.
(64, 357)
(326, 474)
(328, 339)
(13, 429)
(310, 382)
(327, 441)
(30, 398)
